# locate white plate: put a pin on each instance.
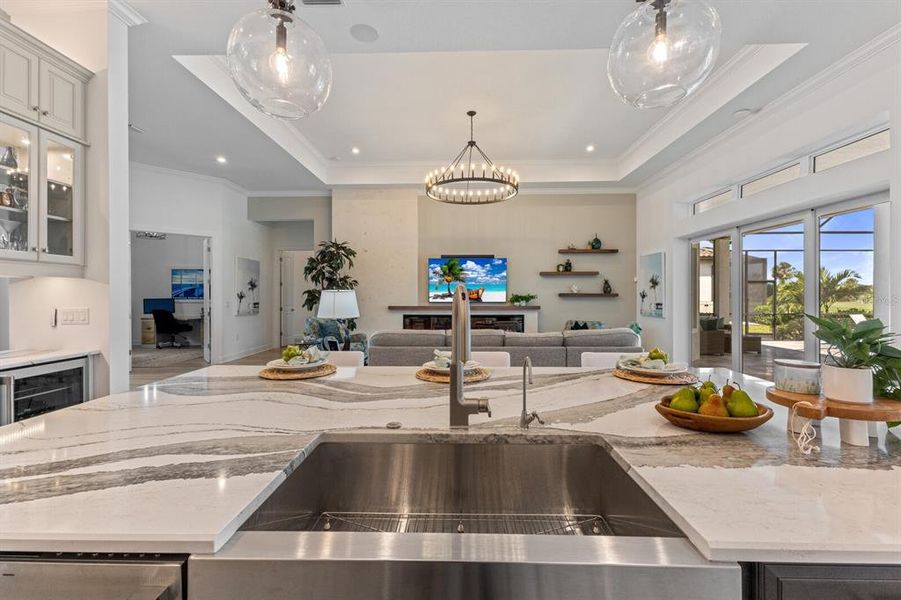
(470, 366)
(670, 369)
(283, 366)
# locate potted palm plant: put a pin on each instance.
(326, 271)
(856, 352)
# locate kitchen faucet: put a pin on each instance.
(526, 418)
(461, 407)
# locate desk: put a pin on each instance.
(190, 312)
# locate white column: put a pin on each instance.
(119, 18)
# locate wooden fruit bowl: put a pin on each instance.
(697, 422)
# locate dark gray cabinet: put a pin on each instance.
(772, 581)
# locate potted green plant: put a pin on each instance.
(521, 299)
(324, 271)
(858, 355)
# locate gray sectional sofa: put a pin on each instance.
(410, 347)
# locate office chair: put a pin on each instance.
(167, 325)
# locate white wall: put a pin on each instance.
(528, 231)
(31, 302)
(382, 226)
(293, 209)
(184, 203)
(151, 264)
(863, 91)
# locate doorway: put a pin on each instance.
(292, 313)
(170, 305)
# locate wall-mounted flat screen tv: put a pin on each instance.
(187, 284)
(485, 278)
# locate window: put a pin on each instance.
(852, 151)
(772, 180)
(712, 202)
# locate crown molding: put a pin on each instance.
(871, 49)
(325, 194)
(190, 175)
(125, 12)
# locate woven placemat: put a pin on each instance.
(278, 375)
(680, 379)
(480, 374)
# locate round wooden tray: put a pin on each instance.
(680, 379)
(277, 375)
(882, 409)
(697, 422)
(480, 374)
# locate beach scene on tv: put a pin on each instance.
(485, 278)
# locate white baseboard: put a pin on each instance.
(238, 355)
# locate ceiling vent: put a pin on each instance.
(322, 2)
(150, 235)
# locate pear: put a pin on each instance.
(709, 384)
(713, 407)
(727, 391)
(741, 405)
(705, 393)
(658, 354)
(684, 400)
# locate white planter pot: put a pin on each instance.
(848, 385)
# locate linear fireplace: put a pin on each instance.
(515, 323)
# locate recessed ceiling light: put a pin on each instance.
(364, 33)
(741, 113)
(221, 160)
(355, 150)
(26, 141)
(589, 148)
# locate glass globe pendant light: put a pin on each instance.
(663, 51)
(279, 63)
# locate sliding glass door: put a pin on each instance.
(772, 324)
(753, 286)
(712, 302)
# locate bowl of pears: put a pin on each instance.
(705, 407)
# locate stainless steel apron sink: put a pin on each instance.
(393, 519)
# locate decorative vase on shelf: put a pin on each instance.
(608, 289)
(561, 267)
(596, 243)
(848, 385)
(568, 265)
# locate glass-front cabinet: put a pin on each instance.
(18, 214)
(41, 211)
(61, 190)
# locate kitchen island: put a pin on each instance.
(178, 466)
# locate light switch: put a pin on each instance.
(74, 316)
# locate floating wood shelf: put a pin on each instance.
(569, 273)
(586, 295)
(881, 409)
(587, 251)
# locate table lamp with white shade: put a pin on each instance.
(338, 304)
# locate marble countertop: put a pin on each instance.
(177, 466)
(14, 359)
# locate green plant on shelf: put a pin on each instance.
(522, 299)
(864, 345)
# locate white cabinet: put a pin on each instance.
(41, 195)
(18, 80)
(41, 85)
(62, 100)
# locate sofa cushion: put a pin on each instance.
(550, 338)
(618, 337)
(712, 323)
(481, 337)
(580, 325)
(408, 337)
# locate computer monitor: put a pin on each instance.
(152, 304)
